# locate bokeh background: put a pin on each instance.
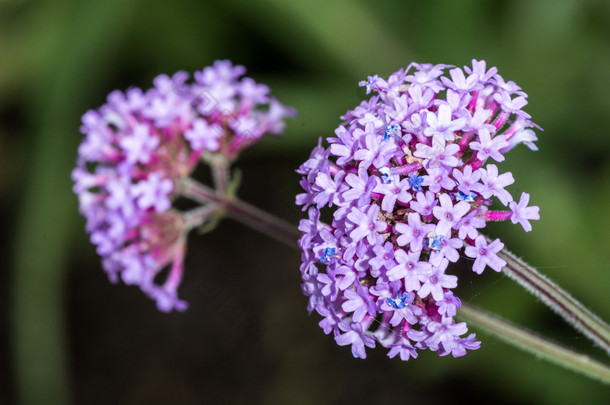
(68, 336)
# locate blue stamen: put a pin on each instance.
(465, 197)
(327, 254)
(386, 175)
(415, 181)
(434, 242)
(398, 303)
(392, 130)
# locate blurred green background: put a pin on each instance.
(68, 336)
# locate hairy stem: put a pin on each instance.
(536, 345)
(220, 171)
(243, 212)
(557, 299)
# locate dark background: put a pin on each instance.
(68, 336)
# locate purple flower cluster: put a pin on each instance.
(139, 148)
(408, 178)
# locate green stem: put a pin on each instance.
(536, 345)
(506, 331)
(243, 212)
(220, 172)
(198, 216)
(557, 299)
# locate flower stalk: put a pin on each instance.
(536, 345)
(243, 212)
(557, 299)
(220, 173)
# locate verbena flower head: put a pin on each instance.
(138, 149)
(410, 178)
